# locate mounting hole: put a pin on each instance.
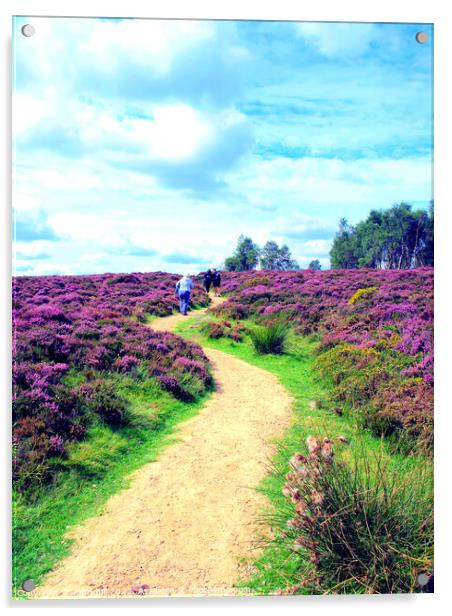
(28, 585)
(28, 30)
(423, 579)
(422, 37)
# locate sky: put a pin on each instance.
(144, 145)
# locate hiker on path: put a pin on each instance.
(207, 281)
(183, 288)
(216, 281)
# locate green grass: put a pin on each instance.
(277, 566)
(95, 469)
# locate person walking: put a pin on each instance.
(207, 281)
(216, 281)
(183, 289)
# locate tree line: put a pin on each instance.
(248, 255)
(396, 238)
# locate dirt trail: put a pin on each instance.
(185, 521)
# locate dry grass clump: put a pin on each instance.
(363, 527)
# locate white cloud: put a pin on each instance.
(176, 132)
(32, 250)
(93, 257)
(176, 143)
(310, 196)
(304, 260)
(325, 186)
(135, 139)
(302, 227)
(153, 43)
(316, 248)
(338, 39)
(84, 226)
(108, 44)
(47, 269)
(25, 204)
(28, 111)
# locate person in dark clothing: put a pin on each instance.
(216, 281)
(207, 281)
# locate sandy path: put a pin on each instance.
(185, 520)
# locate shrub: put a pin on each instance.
(357, 527)
(220, 329)
(361, 294)
(377, 387)
(30, 451)
(183, 365)
(102, 399)
(270, 338)
(89, 326)
(255, 281)
(215, 331)
(236, 333)
(172, 385)
(126, 363)
(232, 310)
(405, 409)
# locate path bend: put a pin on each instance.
(187, 519)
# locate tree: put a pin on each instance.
(269, 255)
(285, 261)
(315, 265)
(245, 257)
(428, 252)
(396, 238)
(275, 258)
(342, 252)
(231, 264)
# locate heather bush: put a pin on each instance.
(88, 327)
(126, 363)
(232, 310)
(237, 332)
(256, 280)
(376, 334)
(223, 329)
(375, 386)
(173, 386)
(31, 449)
(184, 367)
(102, 399)
(403, 408)
(215, 330)
(356, 524)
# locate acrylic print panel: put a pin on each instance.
(223, 240)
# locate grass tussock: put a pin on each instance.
(356, 525)
(270, 338)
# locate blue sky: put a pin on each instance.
(147, 145)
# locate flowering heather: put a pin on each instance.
(376, 329)
(223, 329)
(88, 326)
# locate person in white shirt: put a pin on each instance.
(183, 289)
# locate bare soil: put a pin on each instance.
(186, 521)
